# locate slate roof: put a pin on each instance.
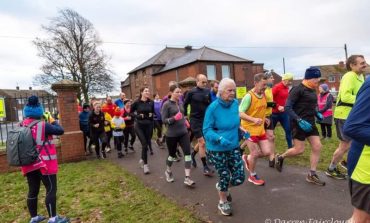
(172, 58)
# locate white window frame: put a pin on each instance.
(331, 78)
(228, 71)
(213, 75)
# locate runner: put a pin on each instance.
(96, 122)
(129, 129)
(270, 128)
(143, 110)
(118, 124)
(221, 130)
(349, 86)
(158, 120)
(172, 115)
(199, 98)
(357, 127)
(252, 111)
(280, 94)
(301, 106)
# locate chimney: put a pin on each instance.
(188, 47)
(341, 64)
(17, 88)
(30, 88)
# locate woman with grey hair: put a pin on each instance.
(221, 132)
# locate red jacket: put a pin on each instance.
(280, 94)
(109, 108)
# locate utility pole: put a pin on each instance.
(284, 64)
(345, 51)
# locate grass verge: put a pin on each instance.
(93, 191)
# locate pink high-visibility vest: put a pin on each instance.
(321, 101)
(47, 163)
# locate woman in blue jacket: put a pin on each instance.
(221, 133)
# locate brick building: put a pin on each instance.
(177, 64)
(332, 74)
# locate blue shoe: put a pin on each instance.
(37, 219)
(59, 219)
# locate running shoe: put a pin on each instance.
(189, 182)
(141, 163)
(272, 163)
(207, 171)
(343, 164)
(315, 180)
(225, 208)
(37, 219)
(228, 196)
(120, 155)
(151, 152)
(169, 176)
(279, 160)
(193, 161)
(256, 180)
(246, 163)
(107, 149)
(131, 148)
(335, 173)
(146, 169)
(104, 155)
(126, 150)
(59, 219)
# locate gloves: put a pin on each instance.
(304, 125)
(224, 142)
(319, 116)
(247, 135)
(178, 116)
(271, 104)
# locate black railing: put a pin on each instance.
(14, 112)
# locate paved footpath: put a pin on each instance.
(286, 197)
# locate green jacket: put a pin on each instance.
(349, 86)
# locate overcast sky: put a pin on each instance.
(304, 32)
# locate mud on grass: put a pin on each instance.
(93, 191)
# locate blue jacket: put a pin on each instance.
(357, 126)
(84, 121)
(119, 103)
(221, 119)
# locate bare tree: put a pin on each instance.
(71, 52)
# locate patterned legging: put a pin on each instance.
(229, 166)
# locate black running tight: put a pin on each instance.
(34, 179)
(144, 132)
(172, 147)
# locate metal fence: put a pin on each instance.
(14, 112)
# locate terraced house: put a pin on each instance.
(177, 64)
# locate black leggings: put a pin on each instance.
(118, 143)
(96, 137)
(144, 132)
(129, 130)
(50, 182)
(87, 136)
(325, 130)
(158, 127)
(184, 142)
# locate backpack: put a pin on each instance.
(21, 147)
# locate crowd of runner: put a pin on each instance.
(230, 136)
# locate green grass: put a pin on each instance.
(93, 191)
(329, 146)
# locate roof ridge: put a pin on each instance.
(228, 54)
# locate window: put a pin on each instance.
(331, 78)
(225, 71)
(211, 72)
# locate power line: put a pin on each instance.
(213, 46)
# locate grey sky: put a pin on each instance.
(278, 27)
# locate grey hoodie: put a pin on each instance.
(174, 128)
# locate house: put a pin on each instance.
(332, 74)
(15, 99)
(177, 64)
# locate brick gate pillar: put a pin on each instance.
(71, 143)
